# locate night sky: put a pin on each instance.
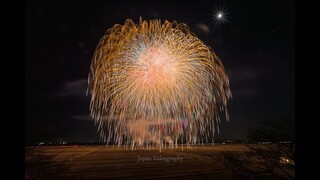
(256, 45)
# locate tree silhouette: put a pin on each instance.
(271, 152)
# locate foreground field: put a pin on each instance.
(106, 162)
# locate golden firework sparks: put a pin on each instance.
(155, 83)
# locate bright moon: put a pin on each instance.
(220, 15)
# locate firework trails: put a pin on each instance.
(156, 84)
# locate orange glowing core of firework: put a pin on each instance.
(157, 68)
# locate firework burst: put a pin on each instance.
(156, 84)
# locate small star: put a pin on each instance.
(220, 15)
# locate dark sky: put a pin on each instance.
(256, 46)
